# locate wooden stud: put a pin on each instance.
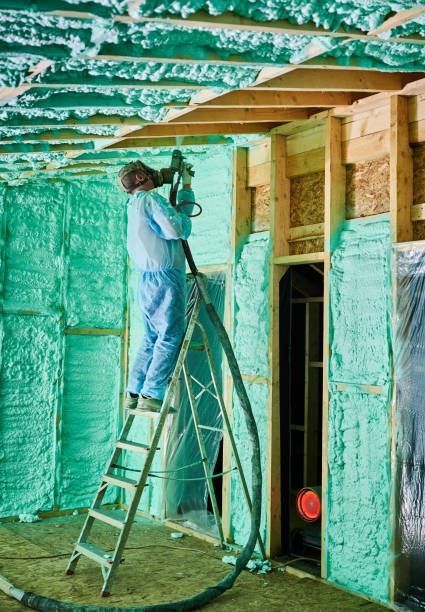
(401, 172)
(335, 179)
(279, 230)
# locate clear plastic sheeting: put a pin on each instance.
(186, 492)
(410, 415)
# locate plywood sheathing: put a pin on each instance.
(260, 208)
(368, 188)
(301, 247)
(307, 199)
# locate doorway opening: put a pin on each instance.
(301, 387)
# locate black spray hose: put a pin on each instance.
(45, 604)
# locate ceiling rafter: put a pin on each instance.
(400, 18)
(230, 21)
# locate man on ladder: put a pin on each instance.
(154, 234)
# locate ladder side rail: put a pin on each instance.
(98, 498)
(229, 431)
(132, 509)
(204, 457)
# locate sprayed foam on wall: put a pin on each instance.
(89, 416)
(251, 345)
(358, 525)
(52, 450)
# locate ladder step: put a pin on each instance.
(210, 428)
(106, 517)
(120, 481)
(133, 446)
(197, 347)
(138, 412)
(94, 553)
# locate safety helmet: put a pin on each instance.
(129, 177)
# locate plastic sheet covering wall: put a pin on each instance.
(186, 494)
(410, 419)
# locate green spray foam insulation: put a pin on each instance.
(63, 264)
(358, 532)
(252, 327)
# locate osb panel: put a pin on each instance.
(419, 175)
(301, 247)
(419, 230)
(368, 188)
(307, 199)
(260, 208)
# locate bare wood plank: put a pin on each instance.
(259, 175)
(418, 212)
(166, 130)
(369, 122)
(397, 20)
(245, 115)
(307, 140)
(401, 172)
(279, 228)
(259, 153)
(417, 132)
(303, 258)
(241, 209)
(278, 99)
(366, 148)
(335, 80)
(304, 232)
(335, 180)
(306, 163)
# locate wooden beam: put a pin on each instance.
(401, 171)
(279, 229)
(335, 180)
(277, 99)
(400, 18)
(243, 115)
(49, 123)
(167, 130)
(335, 80)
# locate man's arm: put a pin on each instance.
(166, 221)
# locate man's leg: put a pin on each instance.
(144, 354)
(167, 314)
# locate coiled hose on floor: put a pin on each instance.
(45, 604)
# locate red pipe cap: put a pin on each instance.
(308, 505)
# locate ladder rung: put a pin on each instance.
(210, 428)
(106, 517)
(120, 481)
(197, 347)
(133, 446)
(94, 553)
(138, 412)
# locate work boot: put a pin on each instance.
(149, 404)
(131, 401)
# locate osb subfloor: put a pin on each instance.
(160, 570)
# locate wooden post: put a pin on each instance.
(279, 229)
(334, 217)
(240, 228)
(401, 201)
(401, 171)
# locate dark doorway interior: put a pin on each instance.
(301, 376)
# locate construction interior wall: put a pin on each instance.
(63, 301)
(358, 530)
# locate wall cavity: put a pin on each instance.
(63, 265)
(251, 338)
(358, 524)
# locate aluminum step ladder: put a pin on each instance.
(109, 562)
